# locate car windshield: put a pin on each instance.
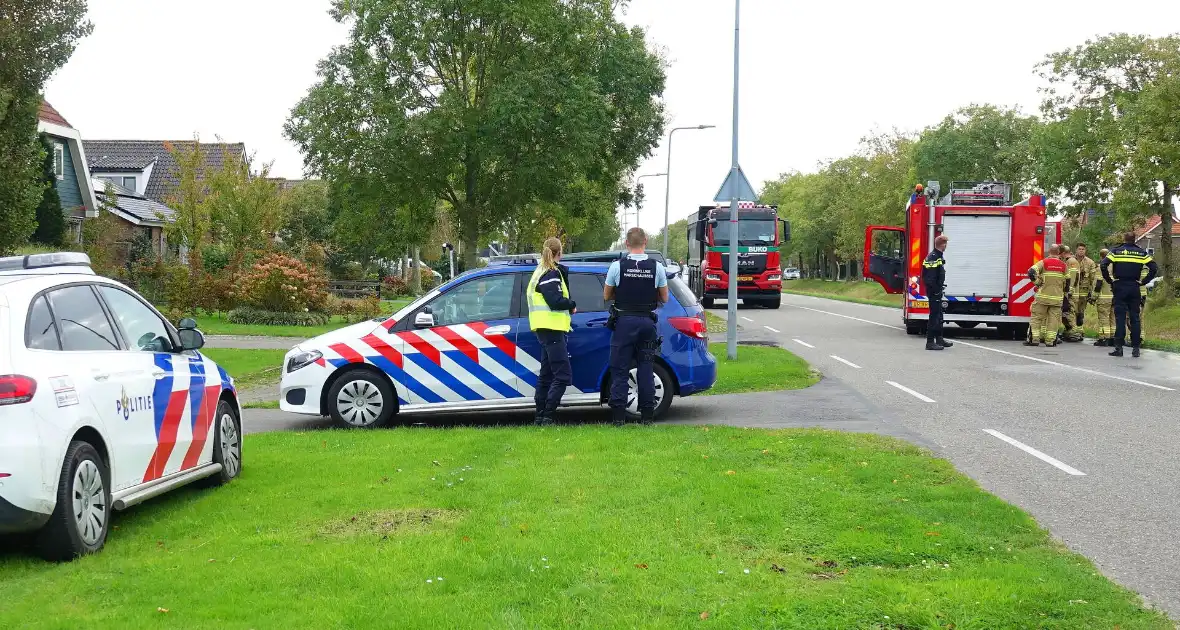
(750, 232)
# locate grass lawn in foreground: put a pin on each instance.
(860, 292)
(590, 527)
(249, 367)
(759, 369)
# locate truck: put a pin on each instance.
(760, 276)
(993, 243)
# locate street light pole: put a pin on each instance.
(731, 298)
(668, 182)
(637, 201)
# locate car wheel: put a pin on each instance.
(967, 324)
(82, 517)
(227, 444)
(360, 399)
(663, 392)
(774, 302)
(914, 327)
(707, 302)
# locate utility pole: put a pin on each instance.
(735, 174)
(668, 182)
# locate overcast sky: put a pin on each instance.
(816, 76)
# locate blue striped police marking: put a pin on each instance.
(225, 381)
(162, 392)
(485, 377)
(399, 377)
(196, 389)
(443, 376)
(511, 365)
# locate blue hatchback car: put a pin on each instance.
(466, 346)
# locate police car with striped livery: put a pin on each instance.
(103, 404)
(466, 346)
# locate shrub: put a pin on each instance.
(282, 284)
(395, 286)
(250, 315)
(355, 310)
(429, 281)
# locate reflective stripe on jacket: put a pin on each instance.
(540, 315)
(1051, 281)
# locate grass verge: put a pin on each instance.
(759, 369)
(869, 293)
(216, 324)
(249, 367)
(588, 527)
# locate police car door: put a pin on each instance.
(589, 339)
(459, 349)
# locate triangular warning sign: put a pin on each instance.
(744, 191)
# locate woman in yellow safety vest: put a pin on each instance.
(550, 308)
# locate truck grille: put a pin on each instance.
(747, 263)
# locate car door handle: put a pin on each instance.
(498, 330)
(596, 323)
(159, 374)
(101, 376)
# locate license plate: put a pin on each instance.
(919, 304)
(745, 278)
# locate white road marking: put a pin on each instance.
(845, 361)
(772, 329)
(803, 343)
(1035, 453)
(1012, 354)
(747, 319)
(911, 392)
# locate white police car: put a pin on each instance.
(103, 404)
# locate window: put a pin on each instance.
(144, 329)
(40, 331)
(84, 325)
(129, 183)
(59, 160)
(750, 231)
(586, 290)
(682, 293)
(481, 299)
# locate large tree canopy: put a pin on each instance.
(494, 107)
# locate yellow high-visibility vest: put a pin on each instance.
(540, 315)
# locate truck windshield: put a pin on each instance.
(750, 232)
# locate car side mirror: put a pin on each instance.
(191, 338)
(187, 323)
(424, 319)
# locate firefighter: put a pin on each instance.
(1087, 275)
(1126, 268)
(1050, 277)
(1069, 303)
(550, 308)
(934, 277)
(638, 285)
(1102, 302)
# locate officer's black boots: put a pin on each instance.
(1118, 351)
(944, 343)
(618, 416)
(1135, 352)
(1101, 343)
(647, 417)
(543, 419)
(934, 345)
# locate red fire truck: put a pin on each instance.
(760, 275)
(992, 245)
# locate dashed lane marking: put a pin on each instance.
(845, 361)
(1035, 453)
(773, 330)
(911, 392)
(803, 343)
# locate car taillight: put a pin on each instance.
(16, 389)
(691, 326)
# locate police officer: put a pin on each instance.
(934, 277)
(639, 285)
(1050, 276)
(550, 308)
(1103, 302)
(1123, 269)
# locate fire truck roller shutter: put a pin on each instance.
(978, 254)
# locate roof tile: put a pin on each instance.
(50, 115)
(165, 179)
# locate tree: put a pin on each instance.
(489, 106)
(193, 219)
(244, 208)
(306, 218)
(1113, 139)
(677, 240)
(979, 142)
(36, 38)
(51, 224)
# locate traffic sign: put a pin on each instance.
(743, 192)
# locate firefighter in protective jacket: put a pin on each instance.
(1087, 275)
(1051, 279)
(1103, 298)
(1069, 303)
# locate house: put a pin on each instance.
(74, 186)
(148, 167)
(141, 217)
(1149, 235)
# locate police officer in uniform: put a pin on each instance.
(550, 308)
(638, 285)
(934, 277)
(1123, 269)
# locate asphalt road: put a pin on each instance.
(1089, 445)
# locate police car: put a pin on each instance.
(467, 346)
(103, 404)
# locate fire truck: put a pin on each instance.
(992, 245)
(760, 275)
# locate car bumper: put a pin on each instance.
(696, 370)
(27, 493)
(300, 391)
(14, 519)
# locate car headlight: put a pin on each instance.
(774, 278)
(303, 359)
(713, 276)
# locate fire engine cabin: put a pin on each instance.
(992, 245)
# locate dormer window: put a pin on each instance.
(59, 160)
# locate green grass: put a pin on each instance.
(262, 404)
(1161, 326)
(759, 369)
(216, 324)
(715, 323)
(859, 292)
(249, 367)
(588, 527)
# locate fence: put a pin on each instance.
(354, 288)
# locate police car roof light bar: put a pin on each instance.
(43, 261)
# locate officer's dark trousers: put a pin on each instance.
(1126, 306)
(632, 333)
(934, 326)
(555, 374)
